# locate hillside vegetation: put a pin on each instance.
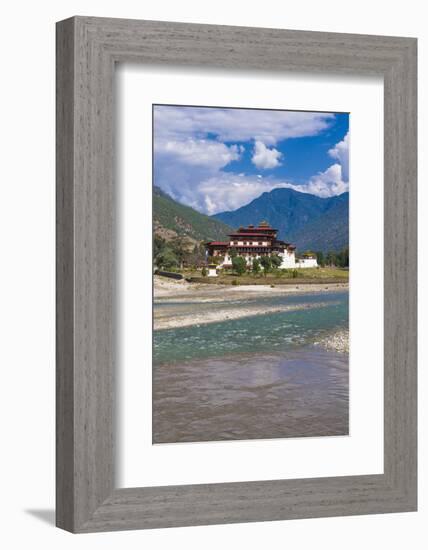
(172, 219)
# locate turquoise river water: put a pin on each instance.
(268, 332)
(256, 377)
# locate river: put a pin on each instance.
(256, 377)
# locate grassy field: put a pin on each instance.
(295, 276)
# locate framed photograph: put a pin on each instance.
(259, 360)
(236, 274)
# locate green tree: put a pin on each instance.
(158, 245)
(343, 257)
(166, 259)
(330, 258)
(320, 258)
(197, 256)
(266, 264)
(256, 266)
(180, 248)
(204, 272)
(275, 261)
(239, 265)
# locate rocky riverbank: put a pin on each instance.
(338, 341)
(182, 290)
(189, 317)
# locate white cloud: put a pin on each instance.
(178, 123)
(340, 152)
(264, 157)
(324, 184)
(224, 191)
(202, 152)
(181, 166)
(328, 183)
(228, 192)
(191, 154)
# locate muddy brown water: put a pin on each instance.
(300, 393)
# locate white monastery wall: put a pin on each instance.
(307, 262)
(288, 260)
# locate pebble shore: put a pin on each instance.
(192, 318)
(182, 290)
(339, 341)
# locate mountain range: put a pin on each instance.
(307, 221)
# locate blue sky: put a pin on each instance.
(215, 159)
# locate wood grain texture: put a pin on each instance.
(87, 49)
(64, 278)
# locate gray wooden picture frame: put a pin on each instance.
(87, 50)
